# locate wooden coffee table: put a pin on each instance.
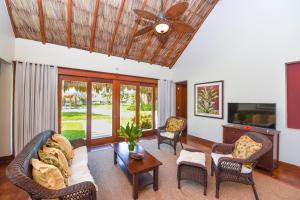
(137, 171)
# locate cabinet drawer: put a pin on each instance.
(230, 135)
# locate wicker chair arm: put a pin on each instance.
(191, 164)
(84, 190)
(222, 148)
(232, 165)
(78, 143)
(161, 129)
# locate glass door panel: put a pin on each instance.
(101, 110)
(127, 104)
(74, 109)
(146, 105)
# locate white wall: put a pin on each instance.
(6, 56)
(36, 52)
(246, 43)
(6, 35)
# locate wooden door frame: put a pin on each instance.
(185, 83)
(116, 80)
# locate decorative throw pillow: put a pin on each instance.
(51, 143)
(65, 144)
(55, 157)
(245, 147)
(174, 125)
(47, 175)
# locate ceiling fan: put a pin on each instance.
(164, 23)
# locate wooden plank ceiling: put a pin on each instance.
(104, 26)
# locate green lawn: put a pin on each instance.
(73, 130)
(81, 116)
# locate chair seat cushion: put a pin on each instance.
(216, 157)
(193, 157)
(79, 167)
(167, 134)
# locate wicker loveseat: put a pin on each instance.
(19, 172)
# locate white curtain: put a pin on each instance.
(166, 101)
(35, 101)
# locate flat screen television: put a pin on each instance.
(253, 114)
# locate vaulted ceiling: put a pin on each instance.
(104, 26)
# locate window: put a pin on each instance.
(94, 105)
(74, 109)
(127, 104)
(146, 107)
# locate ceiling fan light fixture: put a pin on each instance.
(162, 27)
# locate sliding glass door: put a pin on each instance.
(74, 109)
(127, 103)
(101, 119)
(94, 108)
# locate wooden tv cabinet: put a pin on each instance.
(269, 161)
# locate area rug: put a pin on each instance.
(114, 185)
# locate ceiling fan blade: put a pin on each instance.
(143, 22)
(177, 10)
(143, 31)
(145, 14)
(182, 27)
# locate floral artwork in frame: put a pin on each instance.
(209, 99)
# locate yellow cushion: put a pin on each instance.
(65, 144)
(51, 143)
(47, 175)
(245, 147)
(174, 125)
(55, 157)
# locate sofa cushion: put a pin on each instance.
(51, 143)
(65, 144)
(47, 175)
(216, 157)
(47, 152)
(245, 147)
(193, 157)
(79, 168)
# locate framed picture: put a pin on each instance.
(209, 99)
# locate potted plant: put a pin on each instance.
(131, 133)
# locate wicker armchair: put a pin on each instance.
(19, 173)
(234, 170)
(170, 138)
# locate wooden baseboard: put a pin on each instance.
(6, 159)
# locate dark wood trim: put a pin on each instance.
(12, 22)
(89, 113)
(153, 106)
(6, 159)
(42, 24)
(111, 46)
(138, 104)
(222, 81)
(93, 28)
(116, 108)
(70, 5)
(134, 29)
(104, 75)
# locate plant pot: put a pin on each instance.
(131, 146)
